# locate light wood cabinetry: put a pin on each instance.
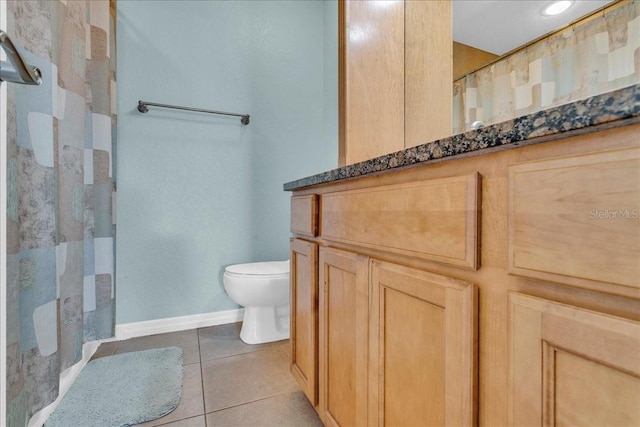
(435, 219)
(304, 215)
(395, 72)
(343, 338)
(384, 332)
(372, 96)
(571, 366)
(428, 73)
(304, 316)
(422, 348)
(492, 290)
(585, 207)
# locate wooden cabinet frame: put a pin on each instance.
(304, 317)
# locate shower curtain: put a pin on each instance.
(60, 192)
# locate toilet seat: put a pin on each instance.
(262, 269)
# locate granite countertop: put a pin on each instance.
(617, 108)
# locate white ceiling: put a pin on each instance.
(499, 26)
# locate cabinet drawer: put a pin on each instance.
(576, 221)
(435, 220)
(304, 215)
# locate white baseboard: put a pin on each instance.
(172, 324)
(67, 377)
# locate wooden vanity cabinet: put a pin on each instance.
(494, 290)
(389, 336)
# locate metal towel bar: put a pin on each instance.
(143, 107)
(17, 70)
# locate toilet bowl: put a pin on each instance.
(263, 289)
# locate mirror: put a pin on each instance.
(404, 92)
(567, 60)
(486, 30)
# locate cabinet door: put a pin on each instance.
(422, 347)
(343, 338)
(571, 366)
(304, 317)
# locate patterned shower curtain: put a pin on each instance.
(598, 56)
(60, 192)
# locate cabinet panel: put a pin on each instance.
(304, 215)
(343, 337)
(406, 45)
(435, 220)
(423, 336)
(583, 388)
(571, 366)
(418, 330)
(304, 317)
(577, 221)
(372, 116)
(428, 54)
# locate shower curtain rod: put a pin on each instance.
(17, 70)
(143, 107)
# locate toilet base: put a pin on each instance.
(265, 324)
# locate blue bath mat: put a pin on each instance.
(122, 390)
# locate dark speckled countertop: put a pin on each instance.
(613, 109)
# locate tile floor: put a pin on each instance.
(227, 382)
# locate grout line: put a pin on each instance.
(198, 339)
(252, 401)
(204, 403)
(182, 419)
(267, 346)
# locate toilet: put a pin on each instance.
(263, 289)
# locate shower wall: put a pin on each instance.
(197, 192)
(60, 187)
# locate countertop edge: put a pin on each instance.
(612, 109)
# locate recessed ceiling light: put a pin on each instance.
(557, 7)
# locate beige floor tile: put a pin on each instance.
(224, 341)
(291, 409)
(232, 381)
(187, 340)
(191, 403)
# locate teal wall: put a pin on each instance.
(197, 192)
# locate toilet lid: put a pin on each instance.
(260, 268)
